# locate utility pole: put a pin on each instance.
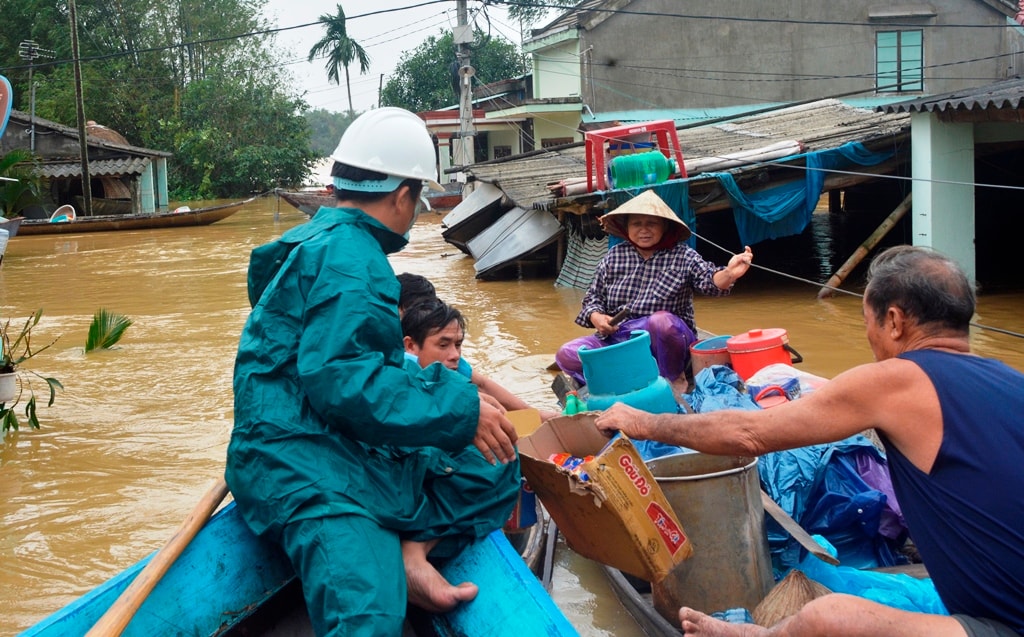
(463, 38)
(29, 50)
(79, 103)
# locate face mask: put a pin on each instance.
(422, 205)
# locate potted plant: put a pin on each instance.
(16, 348)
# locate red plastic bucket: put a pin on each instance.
(755, 349)
(708, 352)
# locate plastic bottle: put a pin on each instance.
(573, 404)
(640, 169)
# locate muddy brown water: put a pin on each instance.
(140, 432)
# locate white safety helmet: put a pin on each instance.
(392, 141)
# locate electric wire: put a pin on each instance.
(722, 18)
(840, 290)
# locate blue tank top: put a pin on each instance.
(967, 516)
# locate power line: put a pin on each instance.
(840, 290)
(723, 18)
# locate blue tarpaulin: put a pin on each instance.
(771, 213)
(786, 210)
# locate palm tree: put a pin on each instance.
(340, 50)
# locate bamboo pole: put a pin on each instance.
(864, 248)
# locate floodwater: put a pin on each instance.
(140, 431)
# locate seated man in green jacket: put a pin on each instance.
(434, 331)
(356, 464)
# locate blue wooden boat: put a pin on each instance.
(229, 582)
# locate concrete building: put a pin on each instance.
(630, 55)
(967, 149)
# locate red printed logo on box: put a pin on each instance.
(633, 473)
(670, 531)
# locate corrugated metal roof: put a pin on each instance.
(97, 168)
(1008, 94)
(820, 125)
(92, 140)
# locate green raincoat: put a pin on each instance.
(330, 419)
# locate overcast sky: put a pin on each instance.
(385, 36)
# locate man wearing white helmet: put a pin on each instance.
(356, 462)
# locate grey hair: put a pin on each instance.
(927, 285)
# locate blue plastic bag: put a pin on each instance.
(892, 589)
(824, 489)
(718, 387)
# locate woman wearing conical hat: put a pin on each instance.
(653, 274)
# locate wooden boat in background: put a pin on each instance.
(447, 200)
(307, 201)
(109, 223)
(229, 582)
(11, 226)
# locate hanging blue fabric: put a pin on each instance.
(786, 210)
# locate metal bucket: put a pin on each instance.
(718, 501)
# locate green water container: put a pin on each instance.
(640, 169)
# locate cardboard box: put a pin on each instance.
(619, 515)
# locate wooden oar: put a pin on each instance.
(793, 528)
(124, 607)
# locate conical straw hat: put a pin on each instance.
(787, 598)
(646, 203)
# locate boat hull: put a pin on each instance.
(307, 202)
(207, 589)
(229, 582)
(110, 223)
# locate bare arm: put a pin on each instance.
(507, 399)
(737, 267)
(893, 396)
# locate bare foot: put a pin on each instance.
(697, 623)
(427, 588)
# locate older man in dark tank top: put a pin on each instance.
(952, 426)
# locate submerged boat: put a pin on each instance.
(229, 582)
(107, 223)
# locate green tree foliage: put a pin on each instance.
(339, 50)
(423, 79)
(172, 75)
(327, 128)
(529, 11)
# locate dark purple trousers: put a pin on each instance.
(670, 344)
